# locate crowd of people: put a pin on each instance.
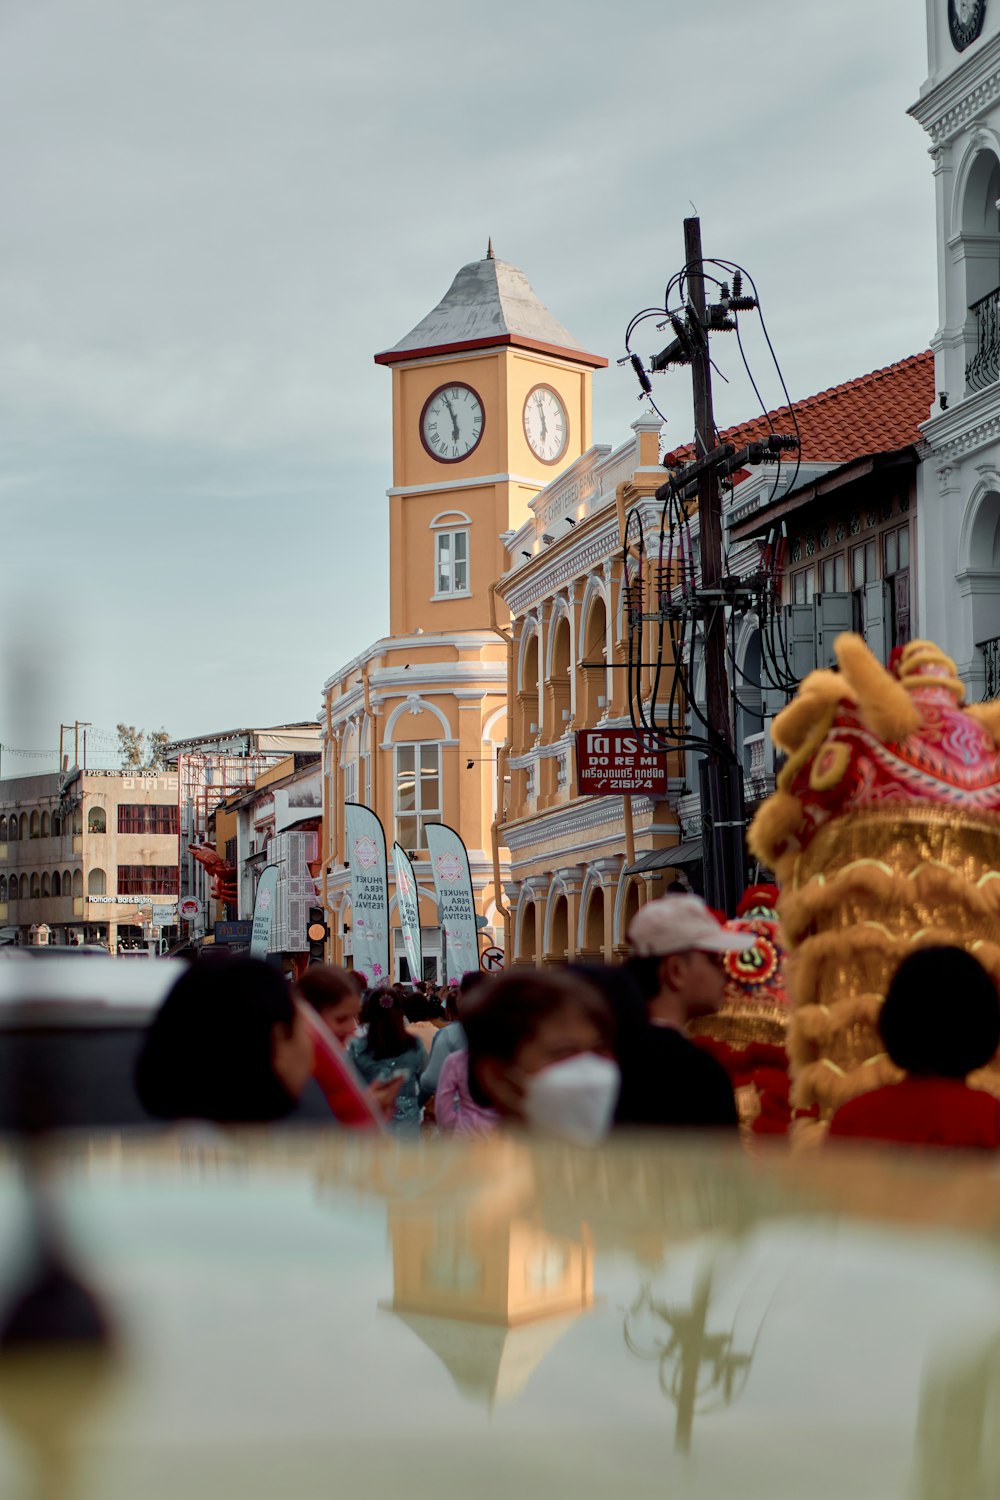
(570, 1053)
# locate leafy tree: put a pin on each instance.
(141, 751)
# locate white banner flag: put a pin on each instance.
(263, 912)
(408, 902)
(456, 905)
(369, 893)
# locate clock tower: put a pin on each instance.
(490, 399)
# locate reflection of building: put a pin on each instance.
(90, 855)
(476, 1275)
(488, 1297)
(490, 397)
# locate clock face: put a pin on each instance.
(451, 423)
(546, 425)
(965, 21)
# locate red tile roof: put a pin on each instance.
(876, 413)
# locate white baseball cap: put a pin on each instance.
(682, 924)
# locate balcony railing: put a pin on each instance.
(984, 366)
(991, 664)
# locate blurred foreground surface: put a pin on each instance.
(318, 1316)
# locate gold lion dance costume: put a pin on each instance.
(884, 832)
(747, 1036)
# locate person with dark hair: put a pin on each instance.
(939, 1021)
(333, 997)
(228, 1045)
(676, 964)
(449, 1038)
(387, 1051)
(539, 1053)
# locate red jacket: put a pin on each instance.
(922, 1112)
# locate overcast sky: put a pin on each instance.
(216, 211)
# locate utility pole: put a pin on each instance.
(709, 498)
(723, 817)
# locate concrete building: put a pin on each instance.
(90, 857)
(958, 564)
(278, 821)
(580, 866)
(209, 769)
(490, 398)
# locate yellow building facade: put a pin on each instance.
(491, 396)
(579, 866)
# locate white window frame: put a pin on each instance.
(449, 525)
(422, 815)
(451, 540)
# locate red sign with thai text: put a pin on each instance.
(620, 762)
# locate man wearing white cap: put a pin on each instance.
(676, 960)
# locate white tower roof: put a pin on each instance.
(489, 302)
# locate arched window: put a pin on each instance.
(56, 883)
(46, 885)
(67, 884)
(97, 820)
(3, 887)
(593, 682)
(77, 820)
(526, 946)
(527, 695)
(23, 889)
(593, 932)
(559, 930)
(33, 826)
(97, 884)
(36, 886)
(56, 825)
(3, 828)
(46, 825)
(12, 828)
(557, 686)
(77, 882)
(980, 234)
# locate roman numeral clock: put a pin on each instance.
(452, 423)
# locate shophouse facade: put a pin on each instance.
(209, 769)
(277, 822)
(89, 857)
(580, 866)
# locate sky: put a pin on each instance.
(217, 211)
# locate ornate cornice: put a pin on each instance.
(966, 428)
(576, 818)
(966, 93)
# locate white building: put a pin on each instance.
(958, 556)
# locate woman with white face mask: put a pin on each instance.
(539, 1054)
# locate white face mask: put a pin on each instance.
(574, 1100)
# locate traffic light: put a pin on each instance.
(317, 932)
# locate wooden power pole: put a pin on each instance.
(720, 771)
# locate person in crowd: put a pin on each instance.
(451, 1037)
(334, 998)
(227, 1045)
(539, 1055)
(416, 1008)
(933, 1105)
(677, 948)
(388, 1053)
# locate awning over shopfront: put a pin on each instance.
(686, 853)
